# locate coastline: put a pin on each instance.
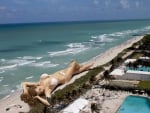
(111, 53)
(15, 105)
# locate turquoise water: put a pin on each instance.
(143, 68)
(28, 50)
(135, 104)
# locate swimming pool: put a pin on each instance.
(144, 68)
(135, 104)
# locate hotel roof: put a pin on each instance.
(118, 72)
(129, 60)
(76, 106)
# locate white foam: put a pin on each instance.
(31, 58)
(2, 60)
(110, 36)
(26, 63)
(116, 34)
(76, 45)
(91, 40)
(29, 77)
(122, 34)
(12, 91)
(8, 67)
(67, 51)
(147, 28)
(13, 63)
(104, 38)
(1, 80)
(94, 37)
(129, 32)
(20, 61)
(44, 64)
(5, 85)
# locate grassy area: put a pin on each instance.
(123, 83)
(145, 43)
(136, 55)
(146, 39)
(144, 84)
(124, 52)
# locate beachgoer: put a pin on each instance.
(48, 83)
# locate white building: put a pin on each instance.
(76, 106)
(136, 75)
(122, 73)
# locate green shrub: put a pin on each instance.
(144, 84)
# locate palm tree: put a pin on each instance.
(106, 76)
(94, 108)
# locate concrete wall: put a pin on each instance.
(135, 76)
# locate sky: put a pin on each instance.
(28, 11)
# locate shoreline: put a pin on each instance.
(111, 53)
(15, 105)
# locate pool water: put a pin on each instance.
(135, 104)
(139, 68)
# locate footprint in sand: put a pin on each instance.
(14, 106)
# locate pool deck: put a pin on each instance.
(114, 104)
(108, 101)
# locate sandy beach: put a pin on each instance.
(13, 104)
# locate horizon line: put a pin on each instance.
(73, 21)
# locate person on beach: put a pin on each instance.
(47, 83)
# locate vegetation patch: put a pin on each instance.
(145, 43)
(136, 55)
(123, 83)
(144, 84)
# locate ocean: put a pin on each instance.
(29, 50)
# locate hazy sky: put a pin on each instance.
(18, 11)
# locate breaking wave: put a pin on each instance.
(104, 38)
(74, 48)
(13, 63)
(30, 77)
(8, 67)
(44, 64)
(30, 58)
(76, 45)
